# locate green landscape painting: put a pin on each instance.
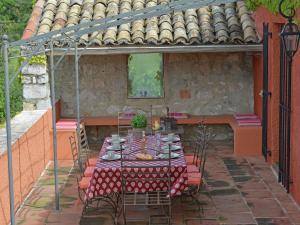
(145, 75)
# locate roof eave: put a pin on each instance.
(111, 50)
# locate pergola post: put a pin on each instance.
(77, 100)
(8, 131)
(52, 93)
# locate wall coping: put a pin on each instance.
(20, 124)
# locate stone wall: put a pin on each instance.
(36, 92)
(200, 84)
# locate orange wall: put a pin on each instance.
(263, 15)
(295, 126)
(31, 153)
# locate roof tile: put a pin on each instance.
(226, 23)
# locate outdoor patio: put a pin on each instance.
(154, 110)
(238, 191)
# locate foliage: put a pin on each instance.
(16, 101)
(272, 5)
(139, 121)
(36, 59)
(13, 18)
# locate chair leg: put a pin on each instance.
(124, 214)
(170, 214)
(79, 193)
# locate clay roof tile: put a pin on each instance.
(226, 23)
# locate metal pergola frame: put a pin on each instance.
(44, 44)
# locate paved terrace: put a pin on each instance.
(239, 191)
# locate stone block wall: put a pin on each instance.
(36, 90)
(195, 83)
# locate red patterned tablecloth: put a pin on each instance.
(107, 175)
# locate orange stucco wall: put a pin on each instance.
(275, 22)
(261, 16)
(295, 126)
(31, 153)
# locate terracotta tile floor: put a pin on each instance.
(238, 191)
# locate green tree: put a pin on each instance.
(14, 15)
(272, 5)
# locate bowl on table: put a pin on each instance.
(110, 156)
(165, 148)
(119, 139)
(171, 138)
(166, 155)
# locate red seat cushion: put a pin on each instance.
(192, 169)
(194, 179)
(189, 159)
(89, 171)
(93, 161)
(84, 182)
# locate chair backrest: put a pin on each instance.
(123, 118)
(145, 171)
(198, 153)
(84, 145)
(76, 157)
(205, 136)
(84, 152)
(74, 149)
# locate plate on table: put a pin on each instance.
(173, 147)
(166, 156)
(108, 158)
(113, 148)
(166, 139)
(122, 140)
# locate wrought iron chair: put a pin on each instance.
(193, 157)
(144, 173)
(204, 136)
(196, 175)
(80, 160)
(195, 178)
(195, 183)
(82, 181)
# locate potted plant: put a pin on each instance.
(139, 123)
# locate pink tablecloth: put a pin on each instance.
(107, 175)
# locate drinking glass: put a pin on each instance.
(157, 140)
(115, 137)
(170, 136)
(130, 139)
(111, 154)
(116, 144)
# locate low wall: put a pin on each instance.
(97, 134)
(31, 153)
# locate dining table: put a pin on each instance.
(106, 178)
